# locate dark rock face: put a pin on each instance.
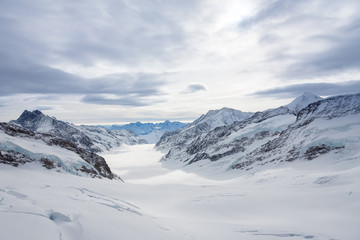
(14, 158)
(314, 151)
(100, 167)
(30, 120)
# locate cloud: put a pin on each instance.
(271, 10)
(20, 78)
(44, 108)
(344, 54)
(128, 34)
(195, 87)
(118, 31)
(322, 89)
(134, 101)
(309, 38)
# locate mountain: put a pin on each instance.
(151, 132)
(20, 146)
(327, 127)
(302, 101)
(202, 125)
(86, 137)
(216, 118)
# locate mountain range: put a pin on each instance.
(151, 132)
(35, 138)
(219, 141)
(308, 128)
(290, 172)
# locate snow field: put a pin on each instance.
(301, 200)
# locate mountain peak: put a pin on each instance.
(219, 117)
(302, 101)
(31, 114)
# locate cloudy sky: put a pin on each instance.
(114, 61)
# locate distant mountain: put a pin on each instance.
(217, 118)
(151, 132)
(87, 137)
(202, 125)
(328, 127)
(20, 146)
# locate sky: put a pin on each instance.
(119, 61)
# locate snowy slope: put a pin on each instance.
(20, 147)
(202, 125)
(295, 201)
(224, 145)
(327, 127)
(154, 136)
(86, 137)
(217, 118)
(302, 101)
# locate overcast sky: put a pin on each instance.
(114, 61)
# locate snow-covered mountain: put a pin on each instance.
(329, 126)
(217, 118)
(274, 175)
(151, 132)
(302, 101)
(87, 137)
(20, 146)
(202, 125)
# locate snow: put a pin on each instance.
(319, 199)
(153, 137)
(151, 132)
(302, 101)
(37, 149)
(222, 117)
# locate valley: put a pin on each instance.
(286, 173)
(291, 201)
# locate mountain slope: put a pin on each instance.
(302, 101)
(87, 137)
(20, 146)
(222, 145)
(221, 117)
(207, 122)
(329, 126)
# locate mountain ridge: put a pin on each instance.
(151, 132)
(88, 137)
(260, 139)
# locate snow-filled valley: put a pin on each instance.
(286, 173)
(299, 200)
